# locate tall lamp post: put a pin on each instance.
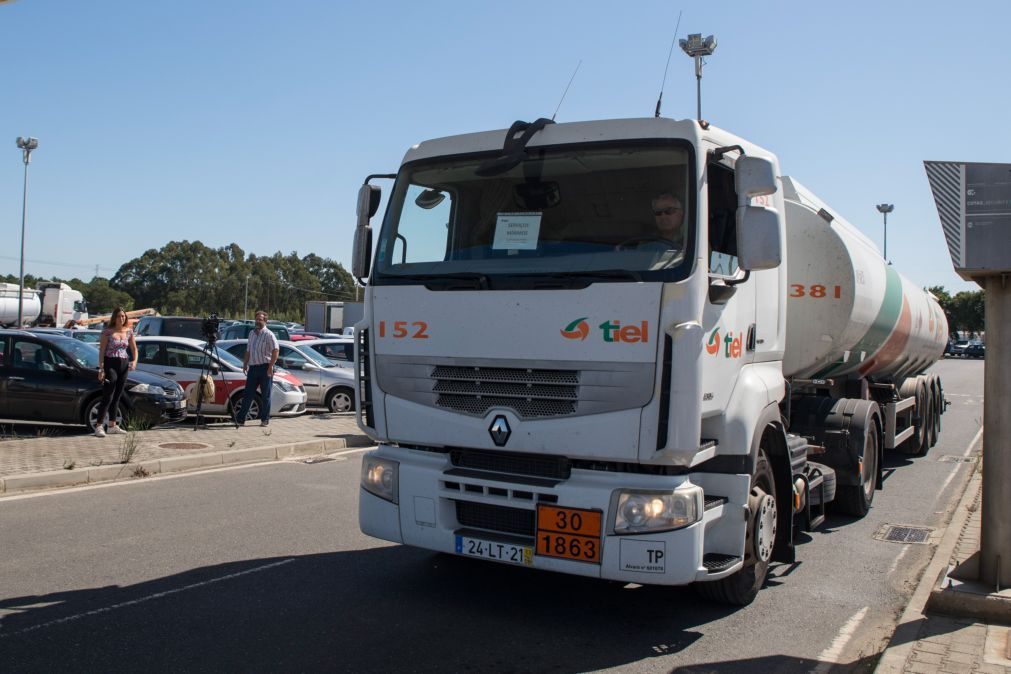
(696, 46)
(885, 209)
(26, 145)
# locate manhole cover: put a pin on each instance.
(894, 533)
(184, 445)
(948, 458)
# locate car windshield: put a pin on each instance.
(585, 211)
(82, 353)
(225, 356)
(317, 358)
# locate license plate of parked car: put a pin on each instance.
(500, 552)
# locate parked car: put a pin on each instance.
(975, 351)
(340, 350)
(89, 336)
(170, 326)
(51, 377)
(242, 329)
(326, 385)
(182, 360)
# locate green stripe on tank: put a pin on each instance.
(878, 332)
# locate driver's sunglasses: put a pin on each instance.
(671, 210)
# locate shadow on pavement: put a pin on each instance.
(383, 609)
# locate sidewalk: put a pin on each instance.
(952, 627)
(60, 458)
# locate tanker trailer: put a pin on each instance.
(859, 336)
(31, 305)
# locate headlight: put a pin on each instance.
(148, 389)
(379, 477)
(640, 511)
(284, 385)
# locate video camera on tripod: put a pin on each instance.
(209, 328)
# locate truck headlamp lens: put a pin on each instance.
(644, 511)
(379, 477)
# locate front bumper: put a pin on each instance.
(158, 409)
(434, 496)
(286, 403)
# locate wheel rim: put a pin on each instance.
(340, 402)
(254, 410)
(764, 524)
(869, 463)
(93, 417)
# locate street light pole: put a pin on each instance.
(885, 209)
(26, 145)
(245, 302)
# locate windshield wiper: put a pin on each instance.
(455, 281)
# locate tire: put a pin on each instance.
(340, 399)
(741, 588)
(235, 404)
(828, 481)
(90, 416)
(856, 499)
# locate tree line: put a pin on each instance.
(964, 310)
(190, 279)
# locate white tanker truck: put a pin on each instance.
(555, 381)
(52, 303)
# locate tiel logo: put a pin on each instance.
(577, 329)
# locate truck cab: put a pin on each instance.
(538, 350)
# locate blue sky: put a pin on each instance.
(256, 122)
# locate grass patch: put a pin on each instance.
(129, 448)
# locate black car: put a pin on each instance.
(170, 326)
(975, 351)
(241, 331)
(50, 377)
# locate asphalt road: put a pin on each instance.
(263, 568)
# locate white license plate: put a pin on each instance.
(500, 552)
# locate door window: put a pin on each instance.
(33, 356)
(148, 353)
(292, 358)
(180, 355)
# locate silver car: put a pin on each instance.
(326, 385)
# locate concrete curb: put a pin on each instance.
(893, 660)
(74, 478)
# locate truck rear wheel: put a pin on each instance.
(741, 588)
(856, 499)
(919, 442)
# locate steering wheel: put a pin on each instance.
(634, 242)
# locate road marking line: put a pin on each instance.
(830, 655)
(954, 470)
(898, 558)
(134, 602)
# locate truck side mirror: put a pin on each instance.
(754, 177)
(758, 238)
(361, 253)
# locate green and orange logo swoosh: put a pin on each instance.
(577, 329)
(714, 343)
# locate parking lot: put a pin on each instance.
(67, 454)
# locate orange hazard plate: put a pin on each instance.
(568, 533)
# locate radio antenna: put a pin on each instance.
(659, 99)
(567, 88)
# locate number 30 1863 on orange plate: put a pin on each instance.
(569, 533)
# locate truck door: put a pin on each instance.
(729, 316)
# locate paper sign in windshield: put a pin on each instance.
(517, 231)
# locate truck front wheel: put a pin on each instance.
(741, 588)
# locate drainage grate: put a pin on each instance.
(897, 533)
(184, 445)
(948, 458)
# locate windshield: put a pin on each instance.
(83, 353)
(225, 356)
(621, 212)
(315, 357)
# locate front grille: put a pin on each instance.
(495, 518)
(554, 467)
(530, 393)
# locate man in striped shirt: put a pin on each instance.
(258, 364)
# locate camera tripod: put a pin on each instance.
(206, 368)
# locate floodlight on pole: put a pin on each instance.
(885, 209)
(697, 47)
(26, 145)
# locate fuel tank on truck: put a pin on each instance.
(31, 305)
(849, 312)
